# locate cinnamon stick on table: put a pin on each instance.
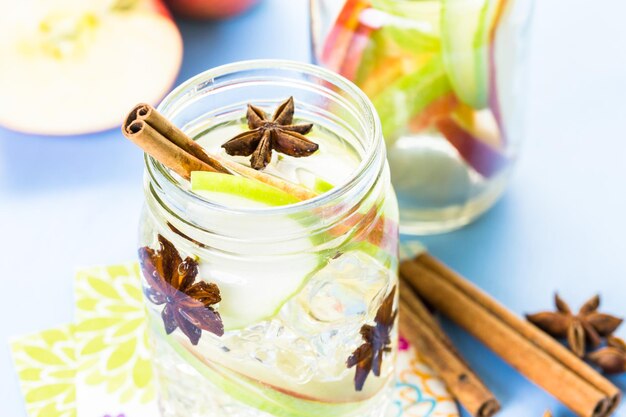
(418, 325)
(532, 352)
(169, 145)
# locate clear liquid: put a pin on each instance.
(291, 321)
(298, 356)
(436, 188)
(333, 163)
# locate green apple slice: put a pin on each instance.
(322, 186)
(216, 185)
(465, 27)
(252, 289)
(409, 95)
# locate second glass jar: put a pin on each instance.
(447, 78)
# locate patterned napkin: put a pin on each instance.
(100, 365)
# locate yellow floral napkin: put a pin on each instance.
(100, 365)
(46, 366)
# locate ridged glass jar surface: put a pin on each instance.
(298, 283)
(447, 78)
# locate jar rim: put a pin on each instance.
(374, 150)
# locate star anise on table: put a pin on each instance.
(612, 358)
(171, 281)
(265, 135)
(369, 356)
(587, 327)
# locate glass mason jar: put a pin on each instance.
(304, 322)
(447, 78)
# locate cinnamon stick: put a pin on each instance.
(301, 193)
(526, 348)
(529, 331)
(161, 149)
(165, 142)
(418, 325)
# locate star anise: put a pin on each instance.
(188, 305)
(612, 358)
(265, 135)
(369, 356)
(588, 326)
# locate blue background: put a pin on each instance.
(74, 201)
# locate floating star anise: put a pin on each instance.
(265, 135)
(612, 358)
(588, 326)
(369, 356)
(188, 305)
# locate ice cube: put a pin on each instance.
(345, 291)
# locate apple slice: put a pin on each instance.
(253, 290)
(369, 21)
(482, 124)
(494, 98)
(441, 107)
(409, 95)
(75, 66)
(466, 27)
(219, 187)
(485, 159)
(338, 40)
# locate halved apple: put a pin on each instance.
(75, 66)
(467, 27)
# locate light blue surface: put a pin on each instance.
(69, 202)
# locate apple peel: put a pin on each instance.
(338, 40)
(494, 99)
(483, 158)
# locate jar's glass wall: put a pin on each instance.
(297, 284)
(448, 81)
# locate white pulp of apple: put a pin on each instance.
(76, 66)
(255, 287)
(253, 291)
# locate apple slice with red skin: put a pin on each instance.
(482, 124)
(440, 108)
(76, 66)
(338, 40)
(369, 21)
(494, 99)
(210, 9)
(382, 75)
(485, 159)
(468, 30)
